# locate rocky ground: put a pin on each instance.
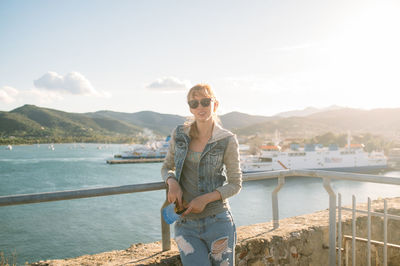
(137, 254)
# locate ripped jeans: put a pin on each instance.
(207, 241)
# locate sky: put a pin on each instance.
(260, 57)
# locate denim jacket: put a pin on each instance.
(219, 167)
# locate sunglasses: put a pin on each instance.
(204, 102)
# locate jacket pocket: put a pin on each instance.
(180, 148)
(216, 156)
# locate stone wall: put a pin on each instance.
(304, 240)
(301, 240)
(377, 230)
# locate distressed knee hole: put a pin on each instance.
(219, 247)
(183, 245)
(225, 263)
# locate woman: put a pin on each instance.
(201, 171)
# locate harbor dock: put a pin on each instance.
(142, 160)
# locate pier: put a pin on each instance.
(142, 160)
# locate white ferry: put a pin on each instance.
(351, 158)
(394, 158)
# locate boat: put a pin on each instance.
(394, 158)
(9, 147)
(351, 158)
(150, 150)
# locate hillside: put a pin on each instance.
(160, 123)
(236, 120)
(308, 111)
(36, 122)
(31, 122)
(288, 127)
(379, 121)
(14, 123)
(384, 122)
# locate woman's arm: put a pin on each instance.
(233, 171)
(168, 167)
(168, 174)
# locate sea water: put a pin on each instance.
(71, 228)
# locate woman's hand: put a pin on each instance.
(174, 192)
(198, 204)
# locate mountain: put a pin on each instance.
(13, 122)
(308, 111)
(377, 121)
(30, 120)
(165, 123)
(33, 122)
(160, 123)
(287, 126)
(380, 121)
(236, 120)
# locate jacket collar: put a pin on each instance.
(218, 133)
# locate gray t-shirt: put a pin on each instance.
(189, 183)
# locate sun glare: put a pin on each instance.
(364, 56)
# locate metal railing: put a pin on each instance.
(326, 176)
(353, 238)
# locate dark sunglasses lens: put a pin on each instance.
(205, 102)
(193, 104)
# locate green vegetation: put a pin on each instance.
(375, 142)
(160, 123)
(328, 138)
(371, 142)
(71, 139)
(30, 124)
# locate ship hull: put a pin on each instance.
(359, 169)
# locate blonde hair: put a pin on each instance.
(200, 89)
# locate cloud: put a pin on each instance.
(42, 97)
(8, 94)
(277, 85)
(169, 84)
(295, 47)
(51, 87)
(72, 83)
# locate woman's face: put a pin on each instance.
(203, 113)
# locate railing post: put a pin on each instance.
(369, 233)
(165, 229)
(385, 231)
(353, 230)
(275, 209)
(332, 221)
(339, 233)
